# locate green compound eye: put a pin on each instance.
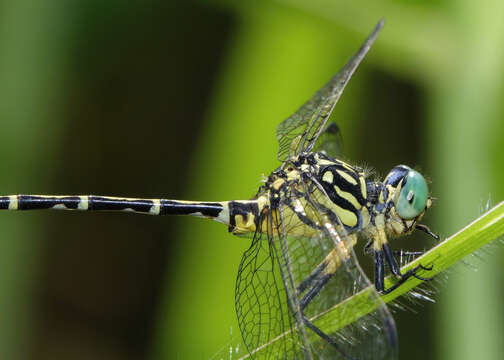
(413, 197)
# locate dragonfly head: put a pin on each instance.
(406, 196)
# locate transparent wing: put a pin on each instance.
(261, 302)
(371, 337)
(267, 316)
(281, 268)
(300, 131)
(330, 141)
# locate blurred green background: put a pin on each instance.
(181, 100)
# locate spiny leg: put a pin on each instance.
(407, 253)
(386, 254)
(317, 280)
(307, 282)
(394, 266)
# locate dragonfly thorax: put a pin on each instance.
(312, 188)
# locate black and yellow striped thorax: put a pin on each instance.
(311, 188)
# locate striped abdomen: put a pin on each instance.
(240, 216)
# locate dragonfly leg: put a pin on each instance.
(394, 267)
(307, 282)
(322, 269)
(386, 254)
(379, 273)
(318, 280)
(407, 253)
(368, 247)
(319, 283)
(426, 230)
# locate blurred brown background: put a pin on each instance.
(181, 100)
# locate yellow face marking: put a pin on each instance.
(347, 177)
(328, 177)
(13, 202)
(83, 203)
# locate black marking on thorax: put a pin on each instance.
(343, 184)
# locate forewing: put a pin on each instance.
(300, 131)
(371, 337)
(280, 268)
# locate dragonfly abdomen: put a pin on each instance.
(110, 203)
(240, 216)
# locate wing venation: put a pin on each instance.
(300, 131)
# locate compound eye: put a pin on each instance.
(413, 196)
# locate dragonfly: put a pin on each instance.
(303, 223)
